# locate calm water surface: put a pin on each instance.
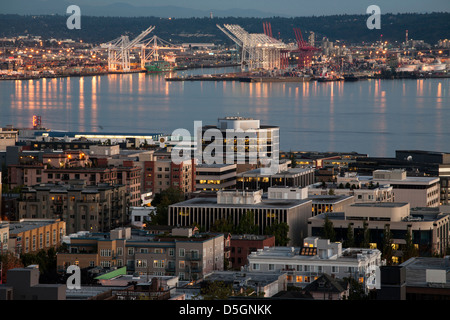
(369, 116)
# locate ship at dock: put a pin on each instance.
(160, 66)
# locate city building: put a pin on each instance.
(34, 174)
(427, 278)
(429, 227)
(91, 208)
(316, 257)
(330, 203)
(262, 284)
(233, 204)
(289, 177)
(7, 138)
(23, 284)
(184, 253)
(250, 140)
(418, 191)
(215, 177)
(349, 184)
(139, 216)
(326, 287)
(4, 237)
(242, 245)
(32, 235)
(162, 173)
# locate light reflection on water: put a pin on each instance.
(368, 116)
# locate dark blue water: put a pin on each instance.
(369, 116)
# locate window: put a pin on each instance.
(119, 251)
(158, 263)
(54, 236)
(181, 264)
(171, 252)
(143, 250)
(255, 266)
(334, 269)
(141, 263)
(47, 239)
(271, 267)
(91, 264)
(181, 252)
(34, 243)
(130, 251)
(105, 253)
(299, 279)
(41, 240)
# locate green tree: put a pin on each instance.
(215, 290)
(328, 230)
(162, 201)
(224, 225)
(356, 290)
(366, 236)
(350, 241)
(387, 251)
(246, 224)
(280, 231)
(409, 250)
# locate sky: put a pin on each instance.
(277, 7)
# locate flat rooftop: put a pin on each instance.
(416, 271)
(211, 202)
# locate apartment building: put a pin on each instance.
(429, 227)
(316, 257)
(184, 253)
(82, 207)
(4, 236)
(161, 174)
(32, 235)
(34, 174)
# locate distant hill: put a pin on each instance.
(121, 9)
(429, 27)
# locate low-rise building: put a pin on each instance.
(429, 227)
(418, 191)
(183, 253)
(315, 257)
(233, 204)
(288, 177)
(32, 235)
(23, 284)
(242, 245)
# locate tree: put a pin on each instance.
(246, 224)
(331, 192)
(409, 250)
(224, 225)
(215, 290)
(387, 252)
(366, 236)
(8, 261)
(162, 201)
(350, 242)
(280, 231)
(328, 230)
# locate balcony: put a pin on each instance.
(193, 257)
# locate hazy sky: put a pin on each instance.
(299, 7)
(290, 7)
